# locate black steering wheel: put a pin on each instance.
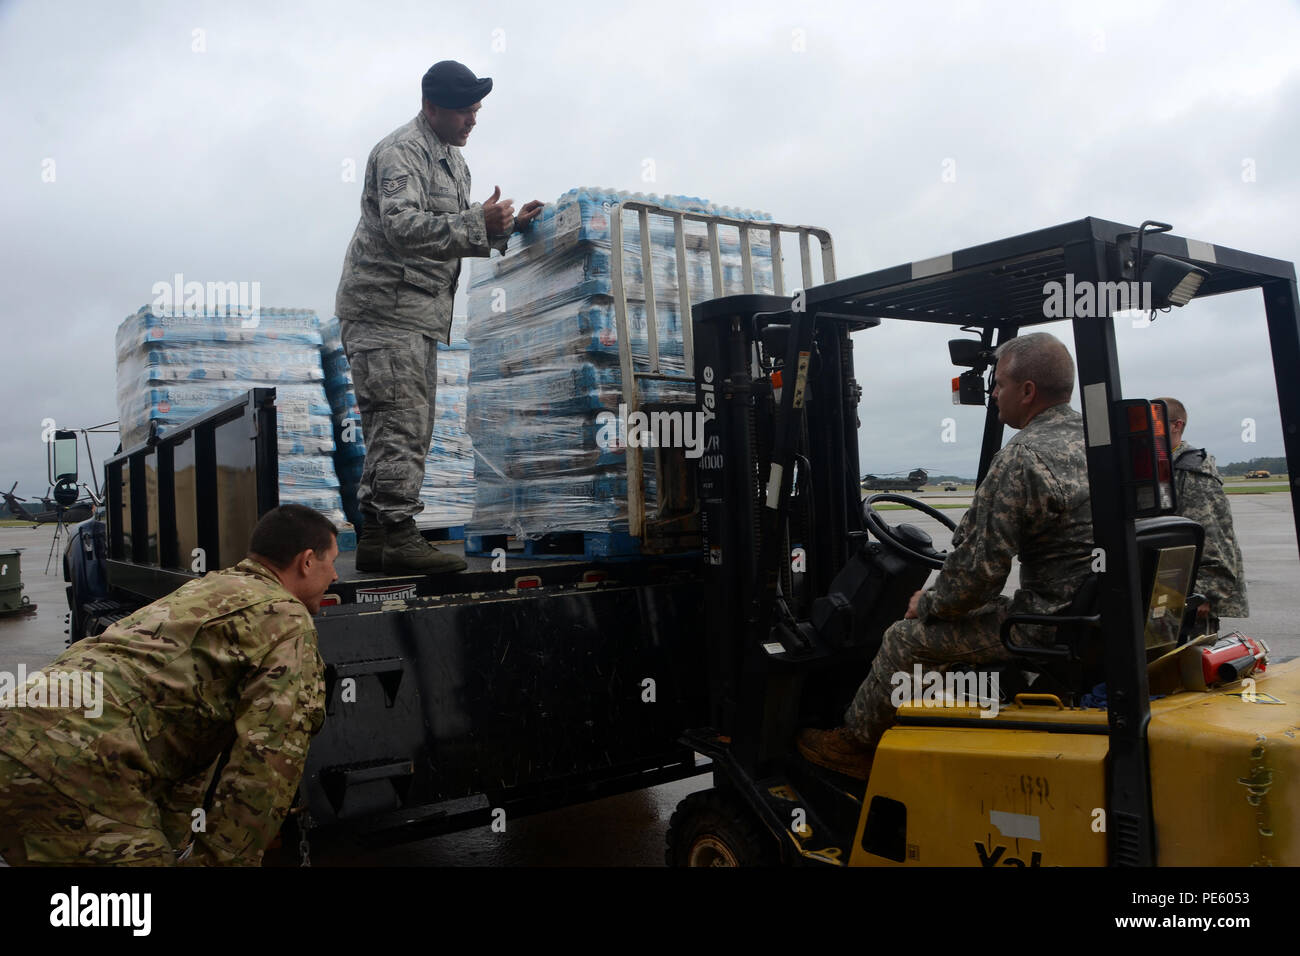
(909, 540)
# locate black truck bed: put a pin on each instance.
(484, 574)
(519, 684)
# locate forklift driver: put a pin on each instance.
(1032, 504)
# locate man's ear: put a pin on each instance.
(300, 566)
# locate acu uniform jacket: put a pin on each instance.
(403, 264)
(1201, 497)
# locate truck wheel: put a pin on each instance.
(711, 829)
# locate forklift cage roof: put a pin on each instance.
(999, 288)
(1001, 283)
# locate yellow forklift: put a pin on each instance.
(1192, 758)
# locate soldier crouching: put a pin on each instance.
(198, 739)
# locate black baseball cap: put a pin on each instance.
(453, 85)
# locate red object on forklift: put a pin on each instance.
(1232, 658)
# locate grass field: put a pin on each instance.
(932, 504)
(1237, 485)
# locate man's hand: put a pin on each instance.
(499, 215)
(526, 215)
(911, 607)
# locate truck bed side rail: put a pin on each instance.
(187, 501)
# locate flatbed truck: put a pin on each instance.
(521, 685)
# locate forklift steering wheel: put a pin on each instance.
(909, 540)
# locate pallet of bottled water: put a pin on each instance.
(545, 368)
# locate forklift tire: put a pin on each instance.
(709, 828)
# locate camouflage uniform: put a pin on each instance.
(394, 304)
(1221, 577)
(1033, 503)
(220, 679)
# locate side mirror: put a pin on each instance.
(63, 458)
(968, 353)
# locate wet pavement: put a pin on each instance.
(629, 830)
(35, 637)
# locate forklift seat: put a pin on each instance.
(1076, 662)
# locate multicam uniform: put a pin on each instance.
(394, 304)
(1221, 577)
(221, 677)
(1033, 503)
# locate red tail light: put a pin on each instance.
(1148, 467)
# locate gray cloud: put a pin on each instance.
(228, 164)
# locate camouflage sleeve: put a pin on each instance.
(281, 707)
(1013, 494)
(407, 221)
(1220, 577)
(176, 807)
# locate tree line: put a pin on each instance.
(1275, 465)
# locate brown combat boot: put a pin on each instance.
(406, 552)
(837, 750)
(370, 545)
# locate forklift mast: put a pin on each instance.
(787, 555)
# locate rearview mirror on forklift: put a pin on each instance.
(969, 353)
(63, 458)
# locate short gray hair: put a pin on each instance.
(1177, 410)
(1042, 359)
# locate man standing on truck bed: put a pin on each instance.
(394, 304)
(1221, 577)
(1033, 504)
(198, 734)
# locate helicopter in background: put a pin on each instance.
(915, 481)
(77, 511)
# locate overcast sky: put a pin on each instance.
(212, 140)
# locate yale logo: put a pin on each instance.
(992, 856)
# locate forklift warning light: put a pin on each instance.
(968, 389)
